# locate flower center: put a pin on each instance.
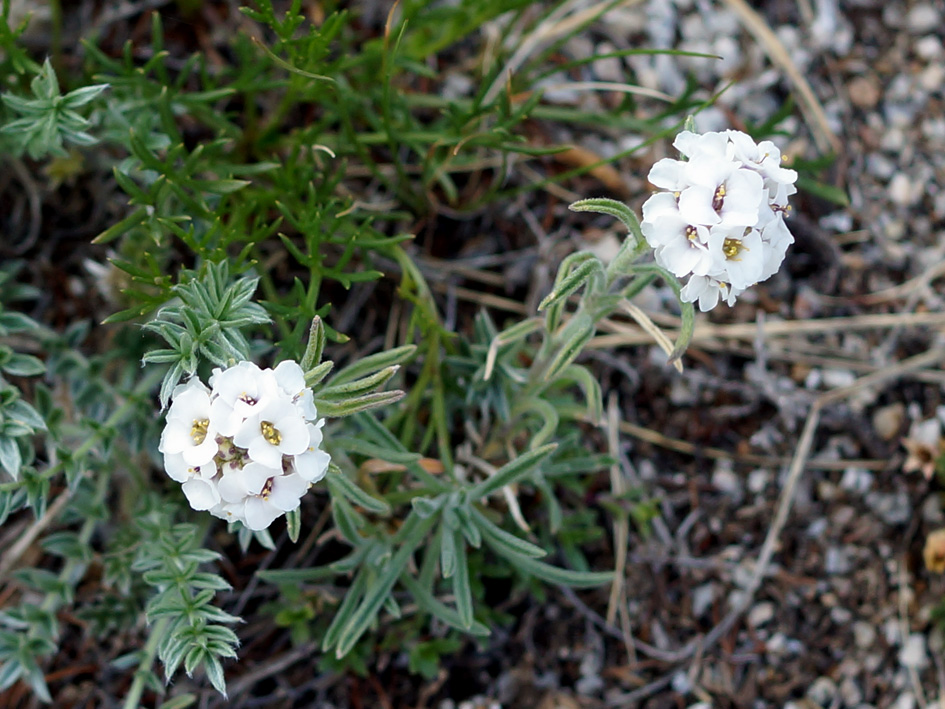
(719, 198)
(247, 399)
(266, 489)
(732, 248)
(198, 431)
(691, 233)
(270, 433)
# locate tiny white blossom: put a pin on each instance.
(291, 380)
(312, 463)
(240, 392)
(275, 431)
(190, 430)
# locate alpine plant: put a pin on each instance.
(720, 220)
(248, 447)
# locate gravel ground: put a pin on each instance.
(843, 614)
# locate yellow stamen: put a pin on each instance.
(732, 248)
(198, 431)
(270, 433)
(719, 198)
(266, 490)
(691, 233)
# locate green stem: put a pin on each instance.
(148, 655)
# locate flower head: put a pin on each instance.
(247, 448)
(721, 219)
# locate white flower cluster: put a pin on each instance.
(247, 448)
(721, 222)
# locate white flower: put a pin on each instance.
(312, 463)
(190, 430)
(721, 219)
(683, 248)
(277, 430)
(247, 449)
(291, 380)
(742, 254)
(239, 392)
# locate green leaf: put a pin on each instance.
(314, 348)
(448, 552)
(22, 365)
(293, 519)
(358, 387)
(511, 472)
(372, 363)
(461, 587)
(10, 457)
(377, 594)
(572, 282)
(332, 409)
(498, 536)
(341, 485)
(426, 602)
(552, 574)
(602, 205)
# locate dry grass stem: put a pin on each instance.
(626, 334)
(651, 329)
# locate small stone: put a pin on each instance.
(758, 480)
(850, 692)
(609, 69)
(834, 378)
(702, 599)
(906, 700)
(840, 615)
(894, 139)
(727, 482)
(864, 634)
(894, 230)
(826, 490)
(923, 19)
(893, 508)
(932, 513)
(901, 190)
(932, 77)
(817, 528)
(913, 654)
(837, 561)
(888, 421)
(864, 92)
(856, 480)
(822, 691)
(928, 48)
(761, 614)
(681, 683)
(891, 632)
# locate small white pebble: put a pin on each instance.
(922, 19)
(758, 480)
(900, 189)
(864, 634)
(913, 654)
(928, 47)
(932, 77)
(761, 614)
(702, 599)
(856, 480)
(822, 691)
(834, 378)
(906, 700)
